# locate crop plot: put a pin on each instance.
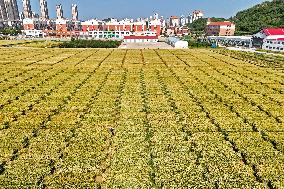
(140, 119)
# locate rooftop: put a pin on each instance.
(140, 37)
(225, 23)
(274, 31)
(174, 17)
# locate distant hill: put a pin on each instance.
(267, 14)
(252, 20)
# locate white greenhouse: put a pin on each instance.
(177, 43)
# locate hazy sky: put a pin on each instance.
(144, 8)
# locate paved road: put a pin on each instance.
(253, 50)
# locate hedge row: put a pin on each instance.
(79, 43)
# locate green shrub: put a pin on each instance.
(79, 43)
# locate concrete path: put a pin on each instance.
(253, 50)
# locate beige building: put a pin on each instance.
(225, 28)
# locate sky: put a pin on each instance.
(144, 8)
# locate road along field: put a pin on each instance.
(139, 119)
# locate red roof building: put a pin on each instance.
(225, 28)
(271, 39)
(273, 31)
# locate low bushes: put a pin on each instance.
(79, 43)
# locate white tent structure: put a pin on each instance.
(177, 43)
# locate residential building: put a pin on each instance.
(62, 25)
(74, 12)
(154, 26)
(170, 31)
(92, 25)
(27, 10)
(123, 25)
(31, 24)
(197, 14)
(183, 20)
(163, 22)
(59, 12)
(43, 10)
(108, 28)
(3, 13)
(225, 28)
(174, 21)
(156, 16)
(35, 15)
(12, 10)
(182, 31)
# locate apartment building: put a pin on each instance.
(27, 10)
(225, 28)
(197, 14)
(3, 13)
(43, 10)
(174, 21)
(123, 25)
(11, 8)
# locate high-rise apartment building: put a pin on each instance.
(27, 10)
(43, 9)
(59, 11)
(3, 13)
(12, 10)
(74, 12)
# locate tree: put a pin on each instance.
(267, 14)
(198, 26)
